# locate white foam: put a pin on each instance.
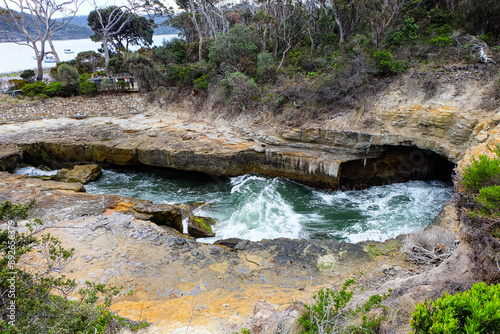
(32, 171)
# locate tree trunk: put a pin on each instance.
(339, 24)
(53, 51)
(105, 48)
(264, 38)
(200, 49)
(39, 60)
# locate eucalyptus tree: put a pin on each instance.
(380, 14)
(109, 23)
(35, 19)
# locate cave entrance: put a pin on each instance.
(395, 164)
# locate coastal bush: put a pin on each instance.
(38, 301)
(330, 314)
(11, 211)
(28, 75)
(88, 87)
(472, 311)
(482, 172)
(55, 88)
(238, 89)
(172, 51)
(408, 32)
(68, 75)
(239, 43)
(432, 246)
(387, 65)
(34, 89)
(16, 84)
(88, 61)
(202, 82)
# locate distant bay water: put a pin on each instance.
(14, 57)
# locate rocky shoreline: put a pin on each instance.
(117, 240)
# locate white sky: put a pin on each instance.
(88, 5)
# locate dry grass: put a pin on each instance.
(430, 247)
(8, 99)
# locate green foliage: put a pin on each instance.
(266, 68)
(88, 87)
(10, 211)
(88, 61)
(187, 76)
(33, 292)
(55, 88)
(202, 82)
(386, 65)
(473, 311)
(441, 17)
(29, 76)
(240, 43)
(145, 70)
(129, 29)
(84, 77)
(330, 313)
(489, 201)
(68, 75)
(34, 89)
(408, 32)
(172, 51)
(239, 89)
(482, 172)
(442, 41)
(244, 330)
(16, 84)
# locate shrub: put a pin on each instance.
(473, 311)
(386, 65)
(429, 247)
(55, 88)
(441, 41)
(172, 51)
(68, 75)
(10, 211)
(88, 87)
(202, 82)
(148, 75)
(34, 89)
(15, 84)
(238, 43)
(482, 172)
(330, 314)
(408, 32)
(34, 291)
(29, 76)
(266, 68)
(488, 202)
(239, 89)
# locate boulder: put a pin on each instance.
(81, 173)
(201, 227)
(229, 242)
(160, 214)
(10, 157)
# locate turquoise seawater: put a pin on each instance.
(255, 207)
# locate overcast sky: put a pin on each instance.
(88, 5)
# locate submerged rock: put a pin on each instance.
(81, 173)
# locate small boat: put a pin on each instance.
(68, 51)
(49, 59)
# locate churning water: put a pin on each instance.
(255, 207)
